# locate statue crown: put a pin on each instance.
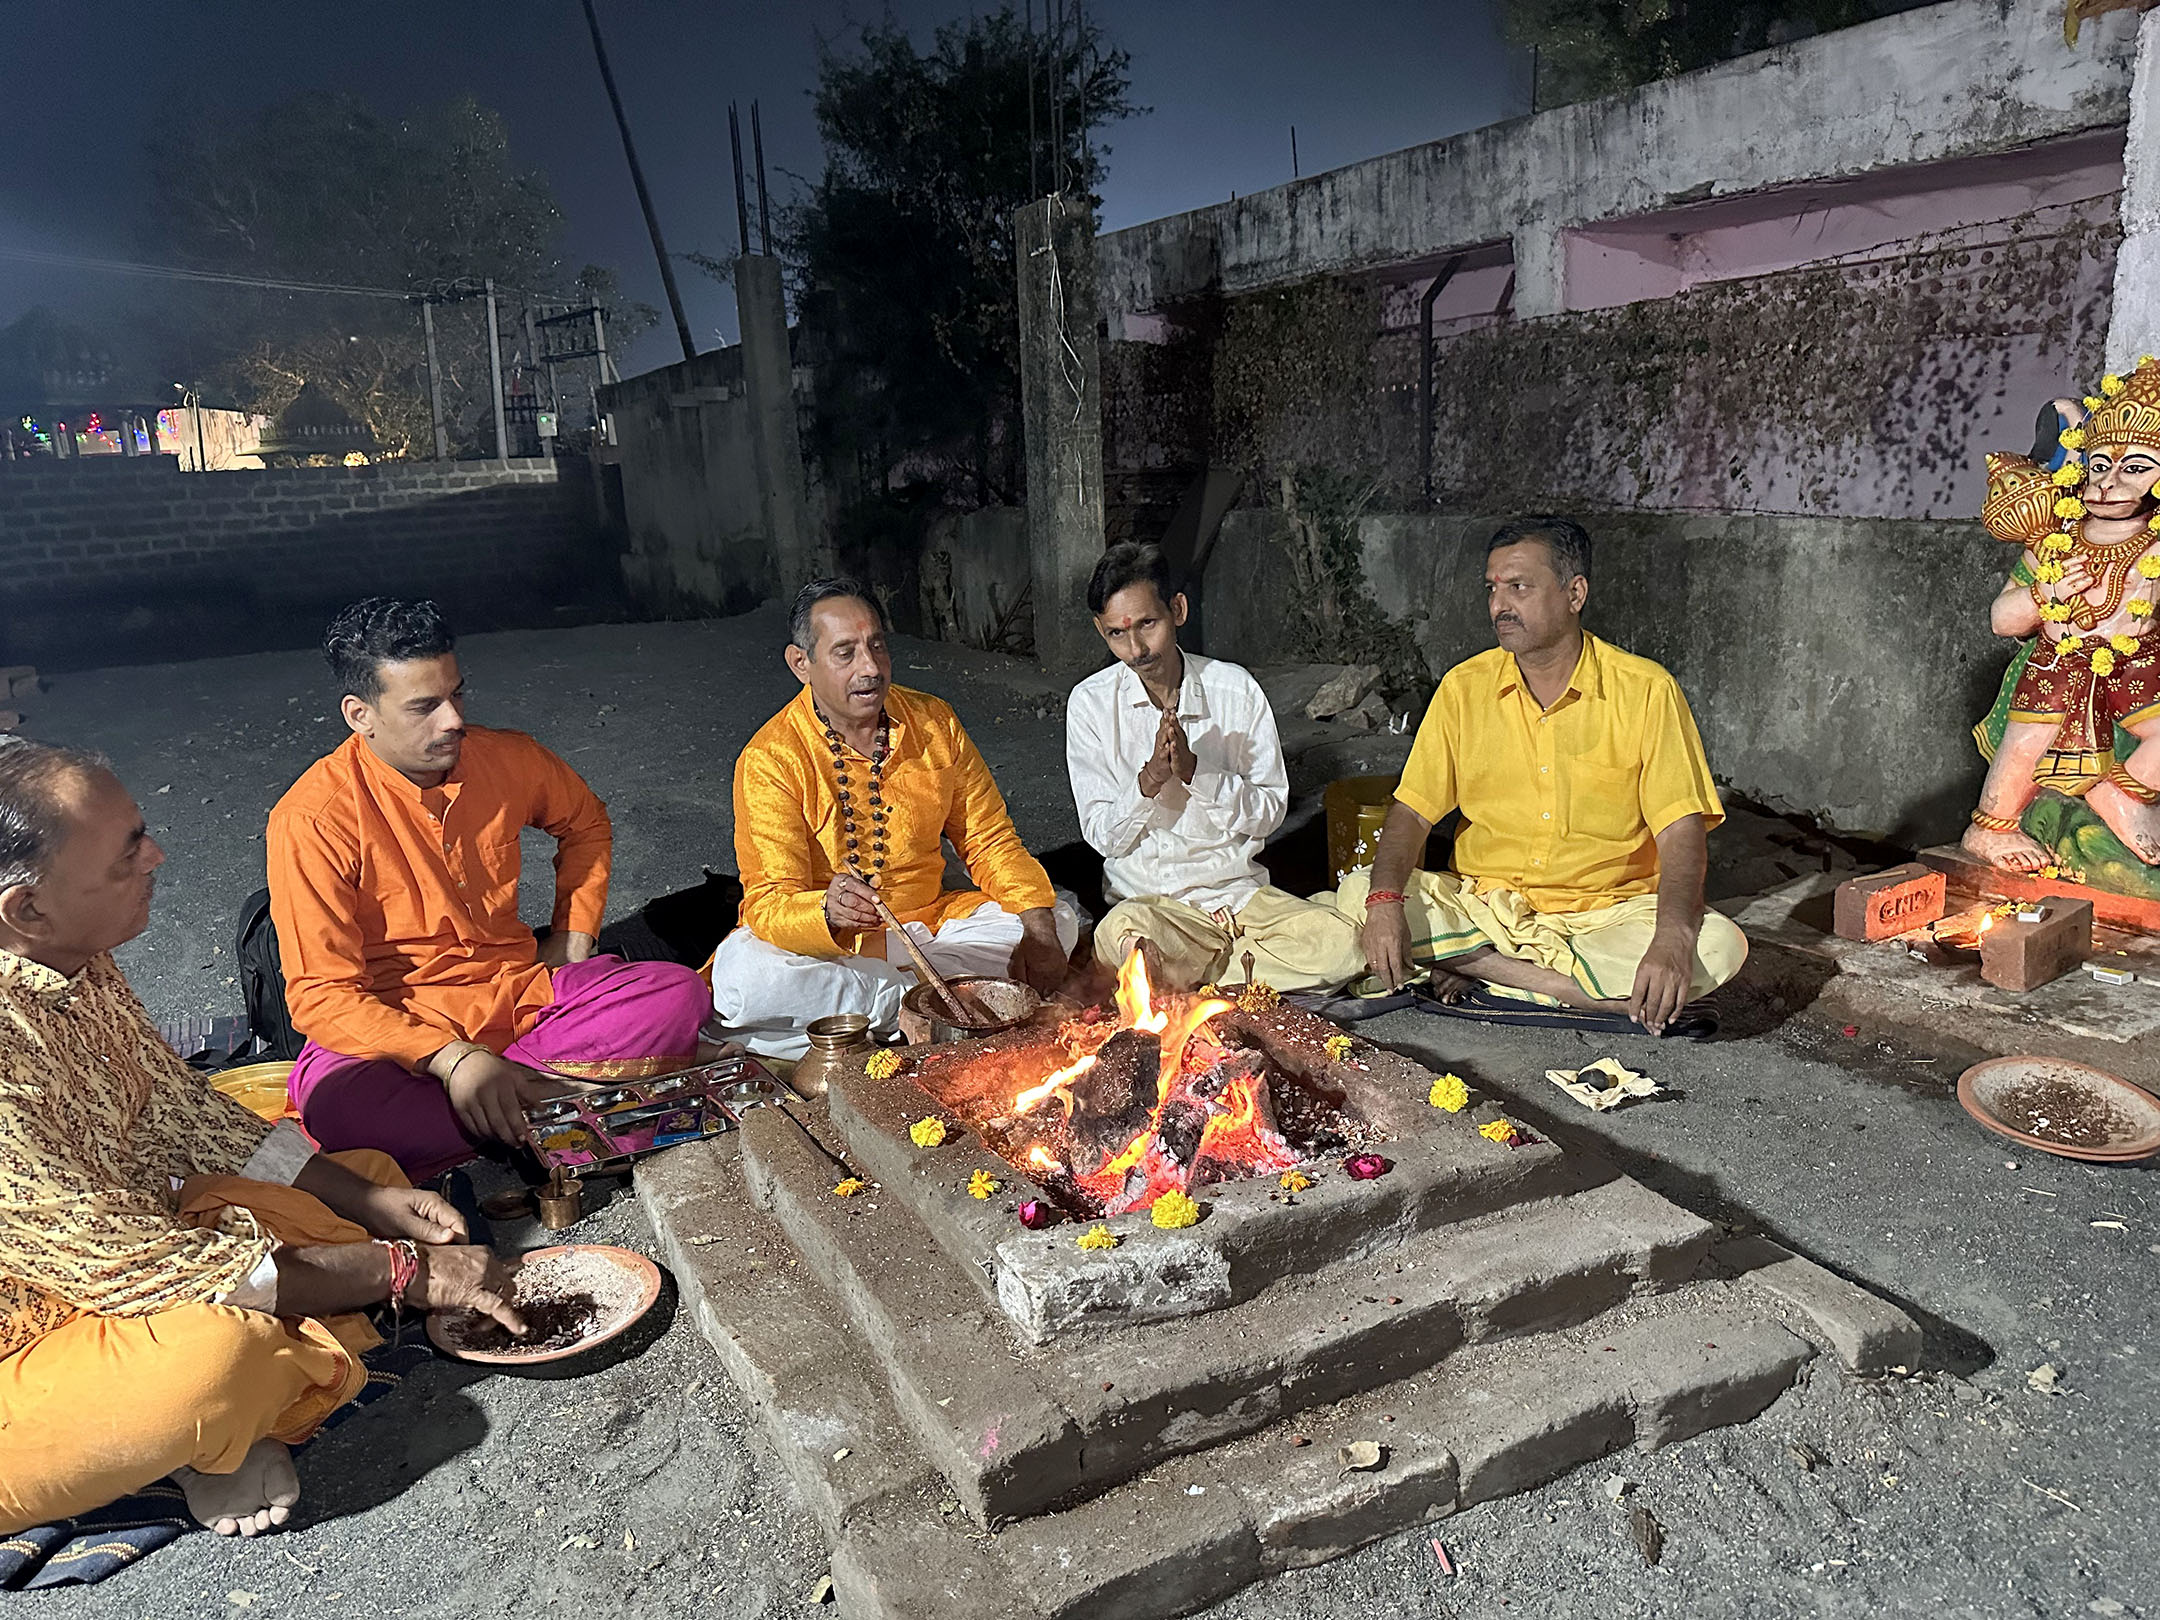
(2130, 415)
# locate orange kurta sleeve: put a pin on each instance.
(783, 868)
(315, 903)
(564, 807)
(981, 829)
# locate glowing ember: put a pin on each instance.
(1029, 1099)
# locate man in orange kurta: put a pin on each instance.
(180, 1282)
(433, 1017)
(854, 787)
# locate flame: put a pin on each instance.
(1039, 1157)
(1034, 1096)
(1135, 999)
(1987, 921)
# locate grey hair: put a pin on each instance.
(828, 590)
(1567, 540)
(32, 811)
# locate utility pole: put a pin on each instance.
(764, 209)
(742, 205)
(502, 431)
(434, 380)
(644, 197)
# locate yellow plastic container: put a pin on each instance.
(257, 1087)
(1357, 808)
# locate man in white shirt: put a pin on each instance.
(1179, 781)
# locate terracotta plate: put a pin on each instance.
(2135, 1112)
(643, 1270)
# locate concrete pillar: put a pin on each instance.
(2134, 323)
(1540, 270)
(775, 436)
(1061, 394)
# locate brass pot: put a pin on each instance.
(834, 1042)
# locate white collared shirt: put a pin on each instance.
(1199, 844)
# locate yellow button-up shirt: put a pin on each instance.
(789, 840)
(1564, 804)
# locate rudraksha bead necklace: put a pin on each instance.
(844, 792)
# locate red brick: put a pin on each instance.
(2023, 956)
(1890, 903)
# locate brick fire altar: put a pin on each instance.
(991, 1420)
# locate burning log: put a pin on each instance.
(1113, 1101)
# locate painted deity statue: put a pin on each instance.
(2080, 708)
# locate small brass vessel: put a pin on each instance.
(834, 1042)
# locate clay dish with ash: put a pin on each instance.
(621, 1285)
(2069, 1109)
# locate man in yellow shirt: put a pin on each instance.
(848, 794)
(1586, 802)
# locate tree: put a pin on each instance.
(1588, 48)
(325, 189)
(903, 248)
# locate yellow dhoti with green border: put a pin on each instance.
(1295, 944)
(1600, 949)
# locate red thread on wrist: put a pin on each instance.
(1384, 897)
(404, 1268)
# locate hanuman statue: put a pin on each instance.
(2081, 712)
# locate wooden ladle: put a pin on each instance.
(970, 1013)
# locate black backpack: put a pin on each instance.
(262, 981)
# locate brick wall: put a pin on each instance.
(127, 559)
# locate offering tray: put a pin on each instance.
(610, 1126)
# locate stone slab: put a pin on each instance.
(1972, 877)
(1868, 1334)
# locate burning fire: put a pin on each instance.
(1204, 1114)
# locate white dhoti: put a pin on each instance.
(766, 997)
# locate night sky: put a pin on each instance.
(84, 89)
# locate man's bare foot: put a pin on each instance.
(2012, 851)
(2137, 824)
(1446, 987)
(257, 1496)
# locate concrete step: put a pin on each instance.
(1500, 1416)
(1018, 1430)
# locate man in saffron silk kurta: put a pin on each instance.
(433, 1017)
(852, 786)
(180, 1283)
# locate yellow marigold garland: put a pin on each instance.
(2103, 661)
(2140, 607)
(2125, 645)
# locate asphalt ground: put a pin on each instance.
(1962, 1490)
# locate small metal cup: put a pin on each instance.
(562, 1203)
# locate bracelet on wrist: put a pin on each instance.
(404, 1269)
(1384, 897)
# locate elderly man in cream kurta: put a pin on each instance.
(1179, 780)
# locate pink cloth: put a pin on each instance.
(605, 1010)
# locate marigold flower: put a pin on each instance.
(882, 1064)
(1338, 1047)
(2069, 507)
(1294, 1181)
(2149, 566)
(2049, 573)
(2070, 474)
(1501, 1131)
(2069, 644)
(1259, 998)
(2103, 661)
(982, 1184)
(1450, 1093)
(850, 1187)
(2140, 607)
(2058, 543)
(2071, 438)
(2093, 402)
(928, 1131)
(1173, 1210)
(1097, 1237)
(2124, 644)
(2050, 871)
(2111, 385)
(2054, 612)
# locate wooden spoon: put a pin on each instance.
(970, 1013)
